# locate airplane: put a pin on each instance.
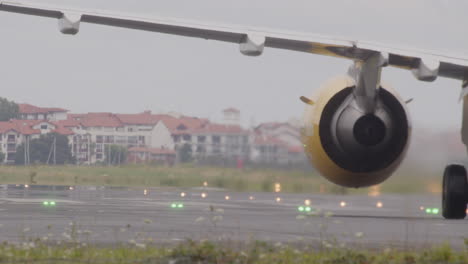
(357, 129)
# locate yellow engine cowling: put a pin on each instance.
(361, 166)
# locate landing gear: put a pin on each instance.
(454, 192)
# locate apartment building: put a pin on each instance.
(15, 132)
(155, 137)
(31, 112)
(93, 131)
(278, 143)
(210, 139)
(150, 136)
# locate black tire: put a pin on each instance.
(454, 192)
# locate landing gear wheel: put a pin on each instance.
(454, 190)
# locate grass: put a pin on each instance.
(209, 252)
(293, 181)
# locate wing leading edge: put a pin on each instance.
(426, 66)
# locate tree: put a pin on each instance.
(115, 154)
(185, 153)
(8, 109)
(41, 150)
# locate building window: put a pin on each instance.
(132, 140)
(83, 147)
(201, 149)
(99, 139)
(99, 156)
(109, 139)
(99, 148)
(11, 147)
(187, 137)
(11, 137)
(201, 139)
(216, 139)
(121, 140)
(141, 139)
(130, 129)
(43, 126)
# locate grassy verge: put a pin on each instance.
(208, 252)
(294, 181)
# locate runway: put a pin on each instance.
(120, 215)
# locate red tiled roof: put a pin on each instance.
(174, 124)
(31, 109)
(70, 122)
(145, 118)
(153, 150)
(20, 126)
(62, 127)
(6, 126)
(97, 119)
(63, 131)
(25, 127)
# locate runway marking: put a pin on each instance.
(389, 217)
(28, 201)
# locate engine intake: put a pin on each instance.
(360, 142)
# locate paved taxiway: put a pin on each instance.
(109, 215)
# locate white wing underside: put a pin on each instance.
(426, 65)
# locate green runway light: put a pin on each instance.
(307, 209)
(177, 205)
(48, 203)
(432, 211)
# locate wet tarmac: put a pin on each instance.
(121, 215)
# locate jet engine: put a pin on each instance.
(348, 146)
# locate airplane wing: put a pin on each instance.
(425, 65)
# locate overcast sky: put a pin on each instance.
(119, 70)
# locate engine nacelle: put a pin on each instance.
(352, 148)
